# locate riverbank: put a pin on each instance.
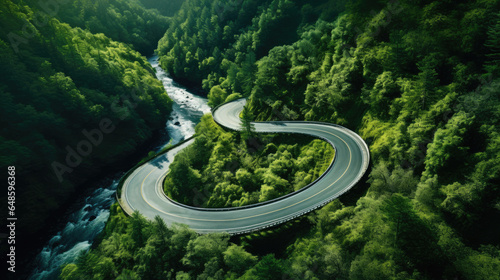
(187, 109)
(83, 218)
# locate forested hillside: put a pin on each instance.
(223, 169)
(72, 104)
(208, 39)
(125, 21)
(418, 80)
(165, 7)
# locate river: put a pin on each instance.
(88, 217)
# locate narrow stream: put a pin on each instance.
(91, 212)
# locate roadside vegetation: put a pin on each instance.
(222, 169)
(136, 248)
(126, 21)
(418, 80)
(58, 86)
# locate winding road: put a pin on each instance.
(142, 190)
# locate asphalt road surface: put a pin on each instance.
(142, 191)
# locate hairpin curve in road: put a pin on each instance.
(143, 190)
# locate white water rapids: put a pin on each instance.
(84, 224)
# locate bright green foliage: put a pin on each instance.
(167, 7)
(205, 249)
(417, 79)
(398, 181)
(209, 40)
(238, 260)
(268, 268)
(166, 253)
(246, 123)
(57, 84)
(383, 92)
(447, 146)
(217, 96)
(408, 77)
(121, 20)
(374, 263)
(183, 179)
(236, 170)
(419, 250)
(493, 43)
(323, 259)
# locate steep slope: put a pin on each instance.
(417, 79)
(126, 21)
(72, 104)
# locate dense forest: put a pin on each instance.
(140, 23)
(207, 40)
(125, 21)
(223, 169)
(166, 7)
(418, 80)
(135, 248)
(72, 104)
